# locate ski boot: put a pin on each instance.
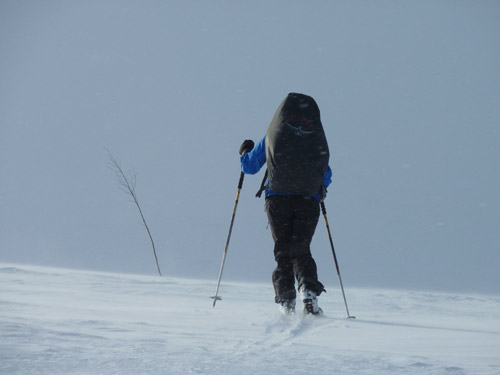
(310, 300)
(287, 307)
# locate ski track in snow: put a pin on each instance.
(56, 321)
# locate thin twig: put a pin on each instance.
(128, 185)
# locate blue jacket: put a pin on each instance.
(254, 160)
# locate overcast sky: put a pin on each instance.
(409, 93)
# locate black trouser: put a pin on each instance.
(293, 220)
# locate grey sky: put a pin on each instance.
(410, 98)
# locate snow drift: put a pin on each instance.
(58, 321)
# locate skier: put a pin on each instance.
(296, 153)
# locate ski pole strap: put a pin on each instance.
(262, 186)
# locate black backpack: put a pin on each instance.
(296, 147)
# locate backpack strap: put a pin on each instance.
(262, 186)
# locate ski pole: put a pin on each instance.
(323, 210)
(240, 184)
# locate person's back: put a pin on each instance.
(296, 148)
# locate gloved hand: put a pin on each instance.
(246, 146)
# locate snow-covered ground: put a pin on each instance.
(58, 321)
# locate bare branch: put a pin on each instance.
(128, 184)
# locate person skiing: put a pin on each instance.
(296, 154)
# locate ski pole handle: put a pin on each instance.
(240, 183)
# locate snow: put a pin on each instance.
(62, 321)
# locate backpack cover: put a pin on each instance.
(296, 148)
